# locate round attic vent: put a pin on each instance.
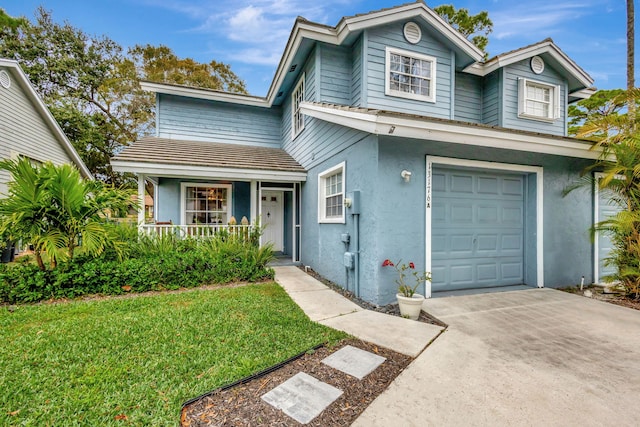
(5, 80)
(412, 32)
(537, 65)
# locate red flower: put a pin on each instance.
(412, 265)
(387, 263)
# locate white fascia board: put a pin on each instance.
(584, 93)
(409, 11)
(51, 122)
(201, 172)
(482, 69)
(190, 92)
(406, 127)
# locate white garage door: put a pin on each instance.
(477, 227)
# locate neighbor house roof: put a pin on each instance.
(165, 156)
(40, 107)
(396, 124)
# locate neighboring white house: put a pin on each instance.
(27, 127)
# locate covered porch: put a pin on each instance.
(201, 189)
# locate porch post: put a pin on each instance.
(141, 180)
(254, 202)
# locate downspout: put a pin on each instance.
(356, 238)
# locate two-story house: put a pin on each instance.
(388, 136)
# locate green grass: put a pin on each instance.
(92, 363)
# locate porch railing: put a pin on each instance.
(198, 231)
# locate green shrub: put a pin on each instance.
(152, 264)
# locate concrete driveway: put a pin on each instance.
(536, 357)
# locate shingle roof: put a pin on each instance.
(376, 112)
(198, 153)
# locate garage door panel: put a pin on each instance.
(461, 184)
(488, 185)
(512, 270)
(487, 272)
(461, 214)
(512, 186)
(512, 242)
(462, 243)
(477, 230)
(461, 274)
(487, 243)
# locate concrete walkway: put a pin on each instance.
(329, 308)
(536, 357)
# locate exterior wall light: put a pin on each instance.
(406, 175)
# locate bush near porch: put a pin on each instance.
(150, 264)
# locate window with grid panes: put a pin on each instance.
(297, 119)
(331, 194)
(207, 204)
(410, 75)
(538, 100)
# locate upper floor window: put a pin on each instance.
(331, 194)
(297, 119)
(536, 100)
(410, 75)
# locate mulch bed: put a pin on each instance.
(242, 406)
(597, 292)
(392, 309)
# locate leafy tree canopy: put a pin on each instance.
(92, 86)
(468, 24)
(603, 114)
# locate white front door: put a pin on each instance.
(273, 219)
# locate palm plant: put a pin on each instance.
(620, 166)
(55, 210)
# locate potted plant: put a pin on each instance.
(409, 302)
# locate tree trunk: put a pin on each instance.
(38, 255)
(631, 104)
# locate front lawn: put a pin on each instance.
(134, 361)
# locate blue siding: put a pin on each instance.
(468, 98)
(335, 81)
(169, 198)
(510, 108)
(491, 95)
(311, 94)
(392, 36)
(567, 246)
(321, 247)
(356, 73)
(203, 120)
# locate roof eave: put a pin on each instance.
(191, 92)
(208, 172)
(381, 123)
(548, 47)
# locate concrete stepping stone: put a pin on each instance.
(354, 361)
(302, 397)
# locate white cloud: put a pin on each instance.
(256, 30)
(535, 20)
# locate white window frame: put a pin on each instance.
(322, 196)
(554, 100)
(401, 94)
(183, 198)
(297, 118)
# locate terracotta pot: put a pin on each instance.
(410, 306)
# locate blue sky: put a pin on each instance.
(251, 34)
